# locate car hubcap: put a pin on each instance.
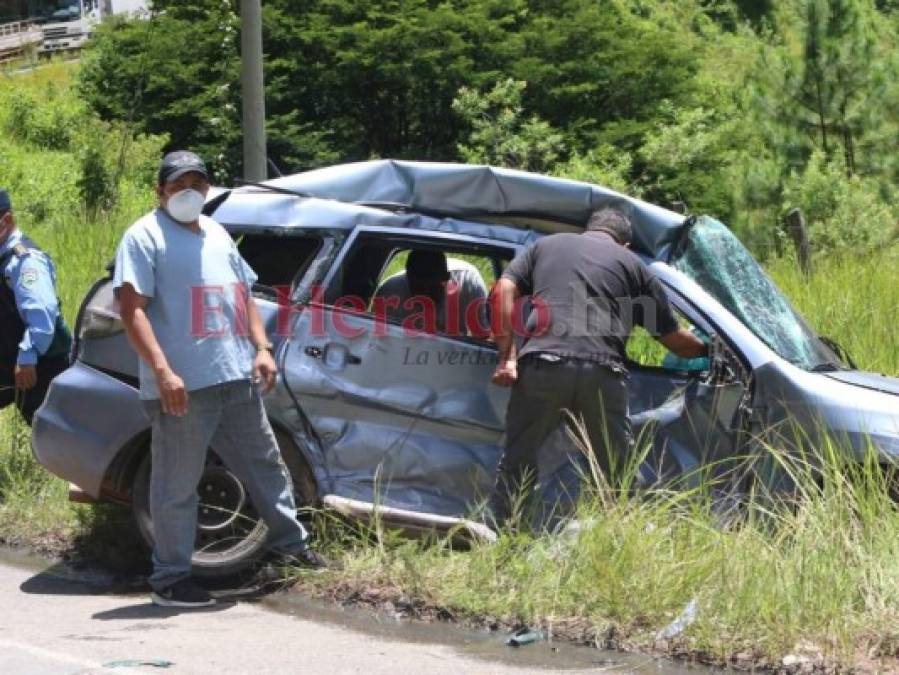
(227, 521)
(222, 498)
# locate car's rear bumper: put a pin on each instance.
(86, 419)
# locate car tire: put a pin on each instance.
(231, 536)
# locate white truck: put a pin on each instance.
(67, 24)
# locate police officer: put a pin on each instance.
(34, 339)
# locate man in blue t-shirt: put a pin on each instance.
(184, 294)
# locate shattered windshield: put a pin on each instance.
(713, 257)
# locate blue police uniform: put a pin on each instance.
(32, 331)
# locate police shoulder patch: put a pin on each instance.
(29, 277)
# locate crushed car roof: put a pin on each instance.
(449, 197)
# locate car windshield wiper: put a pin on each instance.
(826, 367)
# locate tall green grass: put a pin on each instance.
(852, 299)
(816, 575)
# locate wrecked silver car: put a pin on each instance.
(367, 411)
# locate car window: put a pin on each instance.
(644, 350)
(277, 260)
(426, 285)
(713, 256)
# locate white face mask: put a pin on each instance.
(185, 206)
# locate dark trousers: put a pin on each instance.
(542, 397)
(29, 401)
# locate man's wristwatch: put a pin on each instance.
(266, 346)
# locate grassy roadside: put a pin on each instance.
(819, 581)
(852, 300)
(813, 584)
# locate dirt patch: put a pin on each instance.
(103, 535)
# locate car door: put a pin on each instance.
(407, 418)
(689, 416)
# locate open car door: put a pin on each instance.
(691, 413)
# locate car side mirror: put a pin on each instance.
(839, 350)
(720, 370)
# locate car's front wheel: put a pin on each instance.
(230, 535)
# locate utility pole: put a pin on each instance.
(254, 156)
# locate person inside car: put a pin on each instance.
(449, 296)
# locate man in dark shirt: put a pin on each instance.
(587, 291)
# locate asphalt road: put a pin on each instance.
(52, 622)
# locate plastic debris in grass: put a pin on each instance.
(525, 636)
(681, 623)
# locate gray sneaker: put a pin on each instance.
(184, 593)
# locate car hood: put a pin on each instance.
(888, 385)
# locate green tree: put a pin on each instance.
(755, 10)
(345, 79)
(602, 70)
(840, 78)
(174, 75)
(381, 75)
(500, 133)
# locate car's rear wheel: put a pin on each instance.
(230, 536)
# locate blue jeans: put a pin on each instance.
(231, 419)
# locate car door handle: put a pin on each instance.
(337, 352)
(333, 354)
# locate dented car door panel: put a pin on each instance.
(414, 419)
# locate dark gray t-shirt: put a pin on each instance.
(587, 293)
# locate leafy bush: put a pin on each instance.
(74, 202)
(50, 121)
(843, 213)
(606, 166)
(500, 133)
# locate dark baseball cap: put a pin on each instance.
(5, 203)
(176, 164)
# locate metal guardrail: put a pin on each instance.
(17, 36)
(14, 28)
